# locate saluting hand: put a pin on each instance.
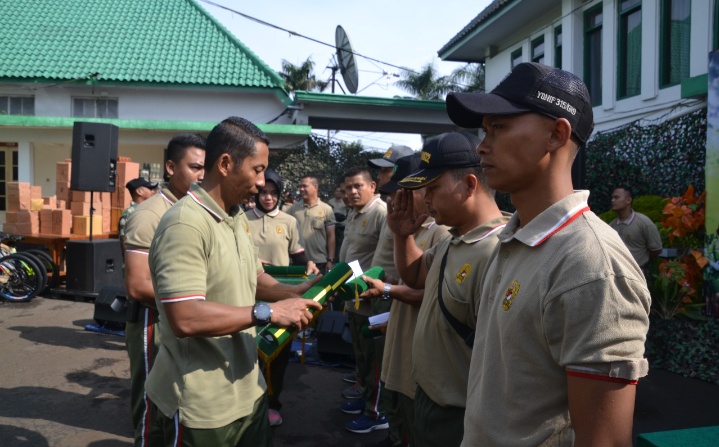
(400, 214)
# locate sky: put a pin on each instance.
(400, 34)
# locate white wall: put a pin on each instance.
(653, 102)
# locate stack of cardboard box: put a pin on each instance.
(68, 212)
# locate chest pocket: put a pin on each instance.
(318, 223)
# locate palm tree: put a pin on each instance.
(301, 77)
(469, 78)
(426, 83)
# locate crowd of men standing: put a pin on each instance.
(522, 329)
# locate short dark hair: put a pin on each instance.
(358, 170)
(460, 173)
(312, 177)
(178, 146)
(234, 136)
(627, 189)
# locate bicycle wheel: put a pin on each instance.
(41, 270)
(20, 278)
(53, 272)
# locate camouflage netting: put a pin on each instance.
(655, 159)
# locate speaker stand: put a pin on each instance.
(92, 210)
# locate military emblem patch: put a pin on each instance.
(247, 229)
(279, 230)
(364, 222)
(511, 294)
(463, 273)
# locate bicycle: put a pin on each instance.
(24, 275)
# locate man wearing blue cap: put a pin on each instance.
(564, 307)
(450, 273)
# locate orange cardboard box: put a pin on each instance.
(18, 186)
(36, 192)
(61, 205)
(50, 201)
(9, 228)
(63, 172)
(81, 225)
(62, 191)
(36, 204)
(126, 171)
(115, 214)
(83, 209)
(106, 199)
(106, 220)
(61, 221)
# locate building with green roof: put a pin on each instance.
(152, 68)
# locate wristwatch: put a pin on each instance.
(262, 314)
(385, 292)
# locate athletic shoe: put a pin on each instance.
(275, 417)
(350, 377)
(366, 425)
(352, 392)
(353, 407)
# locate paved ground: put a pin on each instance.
(63, 386)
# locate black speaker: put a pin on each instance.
(94, 157)
(110, 307)
(92, 265)
(332, 330)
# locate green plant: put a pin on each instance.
(651, 206)
(672, 292)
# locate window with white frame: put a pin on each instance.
(629, 48)
(17, 105)
(675, 34)
(516, 57)
(558, 46)
(593, 20)
(94, 108)
(538, 50)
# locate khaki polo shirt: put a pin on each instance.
(275, 234)
(561, 296)
(397, 356)
(313, 222)
(640, 235)
(440, 356)
(142, 223)
(201, 253)
(362, 232)
(384, 253)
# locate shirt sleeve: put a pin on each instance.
(600, 326)
(178, 264)
(654, 240)
(295, 245)
(140, 229)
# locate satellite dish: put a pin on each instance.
(346, 59)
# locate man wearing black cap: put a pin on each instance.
(451, 275)
(140, 189)
(387, 163)
(399, 386)
(564, 307)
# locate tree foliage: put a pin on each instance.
(327, 160)
(301, 77)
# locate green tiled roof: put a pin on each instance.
(166, 42)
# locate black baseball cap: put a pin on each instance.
(529, 87)
(390, 157)
(451, 150)
(132, 185)
(404, 167)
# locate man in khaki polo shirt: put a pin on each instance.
(450, 273)
(399, 386)
(362, 232)
(564, 307)
(316, 220)
(185, 164)
(638, 232)
(206, 382)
